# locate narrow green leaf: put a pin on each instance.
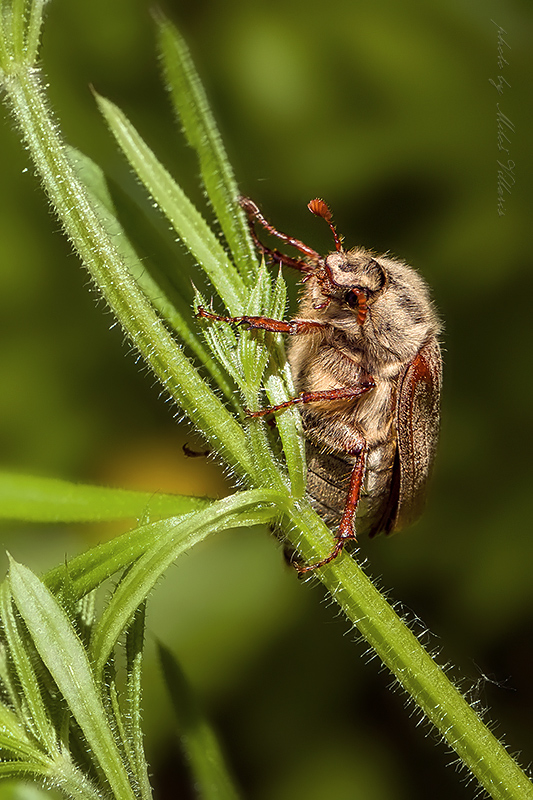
(134, 658)
(114, 710)
(34, 30)
(35, 499)
(20, 25)
(90, 569)
(178, 319)
(65, 658)
(25, 770)
(32, 706)
(199, 741)
(279, 388)
(185, 219)
(252, 351)
(245, 357)
(18, 29)
(222, 341)
(243, 509)
(8, 680)
(192, 107)
(289, 427)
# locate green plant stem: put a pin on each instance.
(101, 258)
(415, 670)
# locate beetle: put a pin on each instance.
(366, 362)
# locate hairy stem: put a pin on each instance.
(415, 670)
(101, 258)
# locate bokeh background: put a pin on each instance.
(386, 110)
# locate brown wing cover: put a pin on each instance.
(417, 421)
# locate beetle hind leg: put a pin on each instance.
(339, 544)
(345, 532)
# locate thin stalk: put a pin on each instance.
(71, 781)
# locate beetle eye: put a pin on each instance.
(352, 298)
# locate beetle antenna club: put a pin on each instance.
(321, 209)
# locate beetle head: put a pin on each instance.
(378, 302)
(353, 279)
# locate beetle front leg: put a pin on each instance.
(294, 327)
(254, 215)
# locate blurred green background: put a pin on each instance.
(386, 111)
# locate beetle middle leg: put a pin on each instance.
(345, 393)
(357, 448)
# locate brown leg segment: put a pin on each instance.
(346, 393)
(255, 215)
(346, 531)
(293, 327)
(190, 453)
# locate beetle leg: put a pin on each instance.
(346, 393)
(346, 531)
(299, 326)
(191, 453)
(293, 327)
(255, 215)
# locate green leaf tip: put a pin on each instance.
(192, 108)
